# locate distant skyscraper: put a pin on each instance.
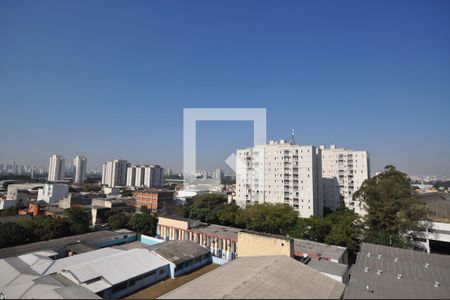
(218, 175)
(154, 176)
(56, 168)
(115, 173)
(80, 167)
(145, 176)
(131, 176)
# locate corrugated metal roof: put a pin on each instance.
(62, 263)
(178, 251)
(328, 267)
(260, 277)
(118, 267)
(388, 272)
(58, 244)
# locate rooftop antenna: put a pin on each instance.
(292, 142)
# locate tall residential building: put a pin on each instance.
(280, 172)
(56, 168)
(131, 176)
(140, 176)
(218, 175)
(343, 172)
(80, 166)
(145, 176)
(115, 173)
(154, 176)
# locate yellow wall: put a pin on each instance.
(173, 223)
(254, 244)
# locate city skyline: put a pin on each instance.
(102, 88)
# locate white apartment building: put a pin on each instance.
(218, 175)
(115, 173)
(154, 176)
(280, 172)
(52, 193)
(79, 164)
(131, 176)
(343, 172)
(150, 176)
(56, 168)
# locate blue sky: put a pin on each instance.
(110, 79)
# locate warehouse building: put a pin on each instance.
(183, 256)
(388, 272)
(260, 277)
(107, 273)
(19, 281)
(97, 239)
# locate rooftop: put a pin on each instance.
(19, 281)
(178, 251)
(103, 272)
(58, 244)
(388, 272)
(219, 231)
(328, 267)
(263, 277)
(318, 250)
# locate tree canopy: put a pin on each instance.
(393, 211)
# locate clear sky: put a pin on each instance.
(110, 79)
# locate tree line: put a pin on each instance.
(42, 228)
(394, 213)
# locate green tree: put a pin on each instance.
(78, 219)
(205, 207)
(47, 228)
(271, 218)
(345, 230)
(12, 234)
(393, 211)
(127, 193)
(118, 221)
(313, 228)
(143, 223)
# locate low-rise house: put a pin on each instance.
(183, 256)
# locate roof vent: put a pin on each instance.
(369, 254)
(436, 284)
(395, 259)
(366, 269)
(368, 288)
(427, 265)
(399, 276)
(379, 256)
(379, 271)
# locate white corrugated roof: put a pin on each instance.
(66, 262)
(118, 267)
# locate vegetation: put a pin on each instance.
(339, 228)
(118, 221)
(41, 228)
(10, 211)
(127, 193)
(144, 222)
(393, 211)
(393, 214)
(442, 184)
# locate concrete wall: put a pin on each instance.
(173, 223)
(253, 244)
